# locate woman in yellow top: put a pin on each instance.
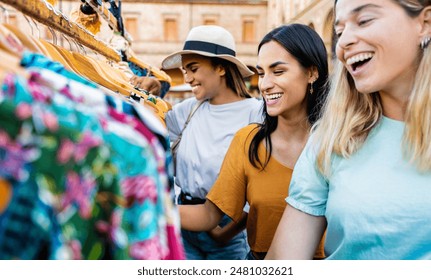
(293, 69)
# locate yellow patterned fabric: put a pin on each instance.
(90, 22)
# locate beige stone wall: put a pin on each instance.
(319, 15)
(149, 43)
(315, 13)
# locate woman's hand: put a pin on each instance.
(150, 84)
(223, 235)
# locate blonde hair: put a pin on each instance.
(417, 135)
(345, 135)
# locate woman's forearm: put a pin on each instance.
(201, 217)
(297, 237)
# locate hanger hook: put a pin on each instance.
(82, 48)
(76, 44)
(51, 8)
(37, 27)
(54, 36)
(68, 41)
(4, 15)
(66, 19)
(29, 23)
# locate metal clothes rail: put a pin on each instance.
(46, 14)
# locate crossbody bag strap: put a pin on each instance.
(192, 112)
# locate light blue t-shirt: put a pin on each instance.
(377, 205)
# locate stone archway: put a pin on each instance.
(328, 36)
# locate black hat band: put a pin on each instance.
(207, 47)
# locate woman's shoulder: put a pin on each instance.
(186, 103)
(254, 101)
(184, 108)
(251, 102)
(252, 108)
(243, 137)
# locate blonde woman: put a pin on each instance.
(366, 171)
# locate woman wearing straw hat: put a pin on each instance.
(216, 77)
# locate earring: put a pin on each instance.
(425, 42)
(311, 87)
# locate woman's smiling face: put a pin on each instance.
(378, 42)
(203, 77)
(283, 82)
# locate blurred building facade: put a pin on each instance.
(159, 27)
(317, 14)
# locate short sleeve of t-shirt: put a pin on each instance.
(308, 191)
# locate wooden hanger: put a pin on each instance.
(10, 64)
(9, 42)
(94, 70)
(113, 73)
(55, 54)
(25, 39)
(98, 72)
(30, 42)
(107, 77)
(161, 107)
(156, 72)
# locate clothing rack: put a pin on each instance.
(112, 21)
(107, 16)
(105, 13)
(46, 14)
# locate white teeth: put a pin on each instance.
(359, 57)
(273, 96)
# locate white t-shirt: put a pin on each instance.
(206, 139)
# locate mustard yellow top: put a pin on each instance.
(265, 191)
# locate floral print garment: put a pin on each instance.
(78, 182)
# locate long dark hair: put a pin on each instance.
(234, 80)
(308, 48)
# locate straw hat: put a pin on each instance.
(211, 41)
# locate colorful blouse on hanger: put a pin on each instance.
(80, 179)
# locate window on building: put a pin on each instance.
(131, 25)
(210, 21)
(248, 31)
(171, 30)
